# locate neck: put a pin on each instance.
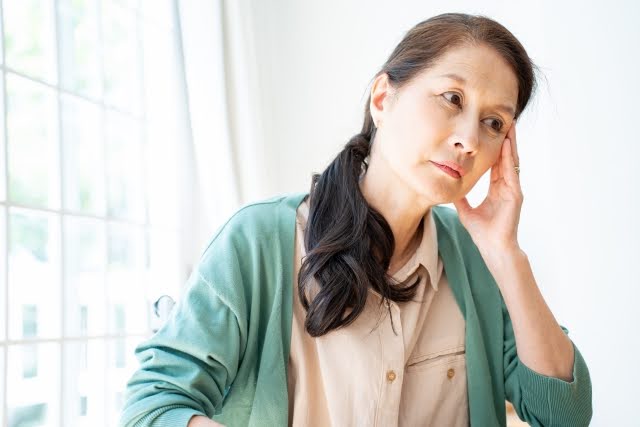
(397, 262)
(399, 208)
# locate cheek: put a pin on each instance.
(492, 156)
(483, 166)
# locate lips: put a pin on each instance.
(449, 169)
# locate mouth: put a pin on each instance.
(449, 171)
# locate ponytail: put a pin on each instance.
(348, 243)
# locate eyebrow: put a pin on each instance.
(506, 108)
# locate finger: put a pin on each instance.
(508, 166)
(496, 169)
(495, 172)
(511, 176)
(514, 144)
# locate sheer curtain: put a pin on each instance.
(223, 149)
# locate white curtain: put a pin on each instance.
(223, 150)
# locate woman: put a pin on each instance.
(400, 311)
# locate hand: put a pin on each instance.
(493, 225)
(200, 421)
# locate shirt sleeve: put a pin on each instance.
(541, 400)
(188, 365)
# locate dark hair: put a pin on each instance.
(348, 243)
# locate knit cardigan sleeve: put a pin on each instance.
(223, 351)
(186, 367)
(541, 400)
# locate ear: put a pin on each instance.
(381, 94)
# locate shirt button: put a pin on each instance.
(391, 376)
(451, 372)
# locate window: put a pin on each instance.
(29, 321)
(89, 206)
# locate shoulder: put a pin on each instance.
(252, 227)
(250, 250)
(260, 214)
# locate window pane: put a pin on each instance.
(2, 381)
(3, 271)
(32, 128)
(85, 259)
(84, 163)
(29, 361)
(34, 399)
(3, 164)
(85, 377)
(29, 321)
(128, 312)
(79, 48)
(34, 274)
(84, 319)
(121, 365)
(1, 37)
(125, 164)
(121, 57)
(30, 37)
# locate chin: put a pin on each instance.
(436, 196)
(438, 192)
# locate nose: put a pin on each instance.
(466, 136)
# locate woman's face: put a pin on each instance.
(435, 119)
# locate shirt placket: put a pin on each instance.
(392, 367)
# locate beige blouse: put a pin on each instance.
(363, 375)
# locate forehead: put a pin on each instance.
(476, 69)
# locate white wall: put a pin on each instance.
(578, 146)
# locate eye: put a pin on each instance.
(496, 124)
(455, 99)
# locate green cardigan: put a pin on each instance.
(223, 352)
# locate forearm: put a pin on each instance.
(200, 421)
(541, 343)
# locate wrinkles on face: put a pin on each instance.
(448, 112)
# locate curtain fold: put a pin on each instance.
(223, 151)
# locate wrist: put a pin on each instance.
(202, 421)
(505, 261)
(499, 252)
